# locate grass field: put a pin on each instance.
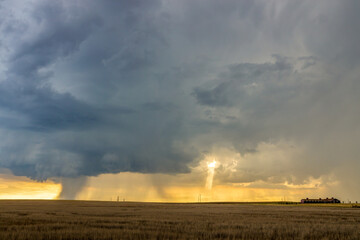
(20, 219)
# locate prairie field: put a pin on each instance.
(55, 219)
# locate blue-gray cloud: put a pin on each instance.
(147, 86)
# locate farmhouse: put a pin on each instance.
(324, 200)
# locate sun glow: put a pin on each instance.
(210, 176)
(212, 164)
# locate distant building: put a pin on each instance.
(320, 200)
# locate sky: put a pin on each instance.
(167, 100)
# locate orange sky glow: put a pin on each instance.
(145, 187)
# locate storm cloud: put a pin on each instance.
(90, 87)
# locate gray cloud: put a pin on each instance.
(140, 86)
(71, 187)
(283, 101)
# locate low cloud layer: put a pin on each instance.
(94, 87)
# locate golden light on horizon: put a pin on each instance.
(14, 187)
(183, 188)
(146, 188)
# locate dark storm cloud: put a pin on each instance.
(106, 140)
(146, 86)
(25, 89)
(213, 97)
(43, 108)
(60, 33)
(239, 79)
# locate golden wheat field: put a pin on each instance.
(28, 219)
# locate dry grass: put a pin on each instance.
(111, 220)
